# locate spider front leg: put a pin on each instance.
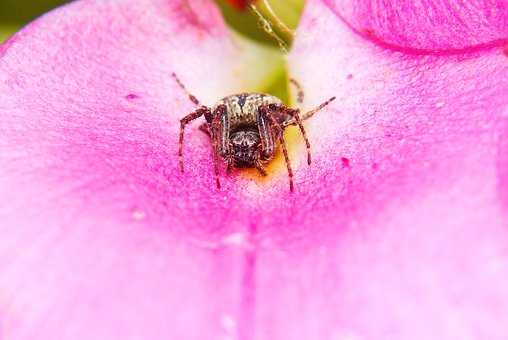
(183, 122)
(288, 163)
(260, 168)
(296, 115)
(265, 133)
(219, 132)
(213, 129)
(321, 106)
(266, 136)
(268, 125)
(192, 98)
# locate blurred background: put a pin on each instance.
(14, 14)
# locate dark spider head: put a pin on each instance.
(245, 147)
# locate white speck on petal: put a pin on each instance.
(345, 335)
(236, 239)
(228, 323)
(440, 104)
(505, 112)
(138, 215)
(495, 265)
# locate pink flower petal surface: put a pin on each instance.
(411, 177)
(397, 231)
(427, 26)
(100, 231)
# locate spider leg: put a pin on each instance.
(260, 168)
(265, 133)
(300, 95)
(214, 129)
(183, 122)
(221, 132)
(296, 115)
(288, 163)
(264, 111)
(182, 86)
(311, 113)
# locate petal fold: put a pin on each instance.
(427, 26)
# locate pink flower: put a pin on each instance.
(397, 230)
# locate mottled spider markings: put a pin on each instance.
(246, 129)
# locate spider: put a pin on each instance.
(246, 129)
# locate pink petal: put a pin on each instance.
(397, 231)
(427, 26)
(400, 231)
(102, 238)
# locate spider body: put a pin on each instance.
(243, 130)
(244, 146)
(246, 129)
(243, 108)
